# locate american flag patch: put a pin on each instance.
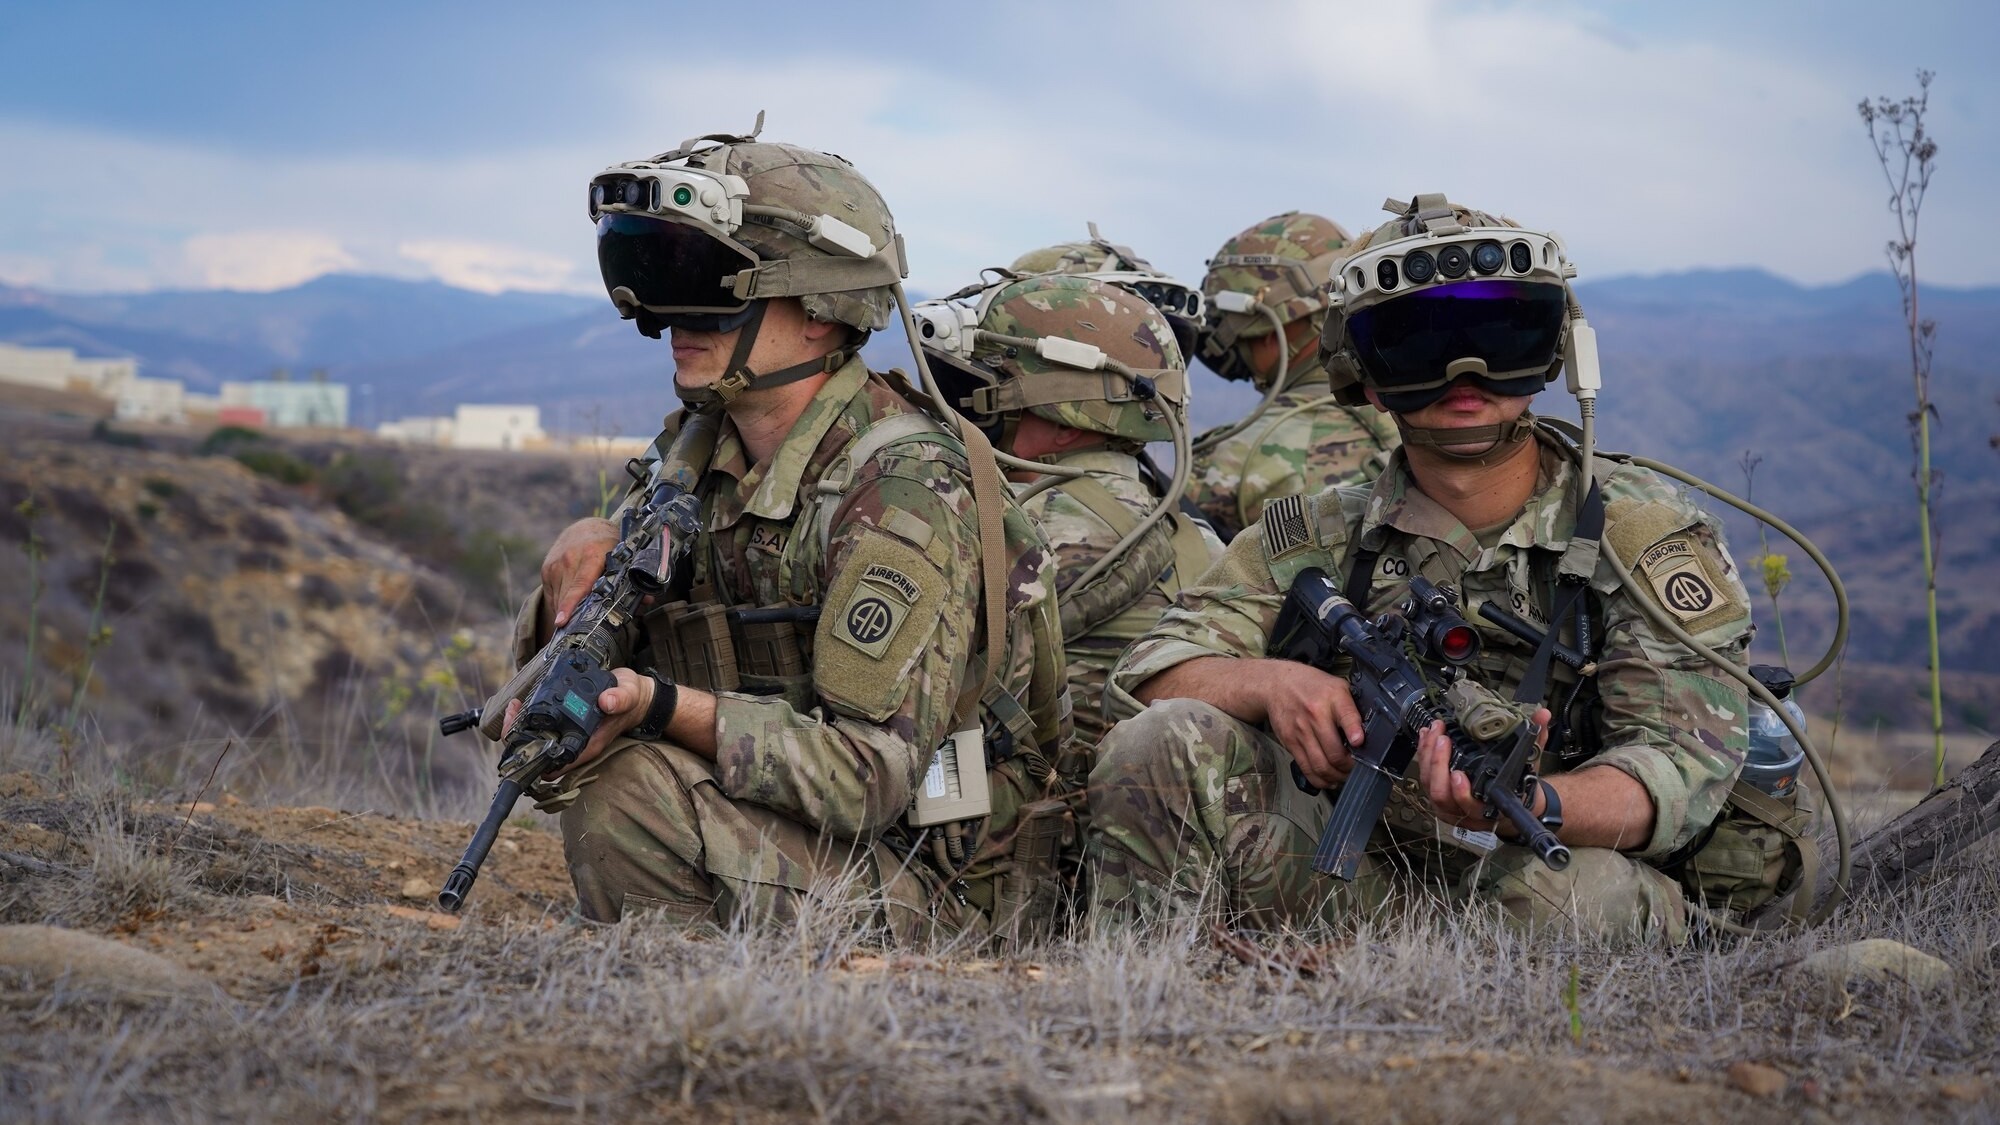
(1285, 528)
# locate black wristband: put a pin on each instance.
(666, 697)
(1552, 807)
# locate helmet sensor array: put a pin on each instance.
(1453, 261)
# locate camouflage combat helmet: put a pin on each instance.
(1283, 263)
(1019, 351)
(700, 236)
(1434, 256)
(1097, 255)
(1180, 303)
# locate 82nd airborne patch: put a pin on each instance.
(1683, 582)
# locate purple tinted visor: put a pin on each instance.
(1407, 342)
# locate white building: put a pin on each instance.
(59, 369)
(417, 431)
(141, 399)
(488, 426)
(313, 402)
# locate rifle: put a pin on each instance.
(558, 689)
(1398, 663)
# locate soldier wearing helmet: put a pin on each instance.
(1266, 285)
(827, 652)
(1123, 551)
(1120, 265)
(1452, 320)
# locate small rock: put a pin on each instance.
(1756, 1079)
(46, 954)
(434, 920)
(1963, 1089)
(1877, 960)
(416, 887)
(19, 785)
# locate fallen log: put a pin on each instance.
(1953, 817)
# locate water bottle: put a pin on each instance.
(1775, 756)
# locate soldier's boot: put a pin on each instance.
(1603, 893)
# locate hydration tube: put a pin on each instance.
(1278, 380)
(938, 399)
(1584, 380)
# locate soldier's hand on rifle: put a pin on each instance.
(623, 705)
(575, 560)
(1450, 790)
(1313, 716)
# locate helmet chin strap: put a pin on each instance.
(738, 378)
(1486, 437)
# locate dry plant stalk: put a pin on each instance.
(1908, 155)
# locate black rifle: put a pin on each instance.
(558, 689)
(1394, 694)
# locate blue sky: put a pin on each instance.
(256, 145)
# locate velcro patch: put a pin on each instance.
(1285, 528)
(1684, 583)
(883, 608)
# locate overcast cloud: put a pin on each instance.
(246, 147)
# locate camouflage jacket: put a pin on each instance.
(1303, 443)
(1655, 711)
(1080, 536)
(901, 630)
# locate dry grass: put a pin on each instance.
(517, 1015)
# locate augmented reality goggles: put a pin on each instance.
(1506, 335)
(667, 249)
(1182, 305)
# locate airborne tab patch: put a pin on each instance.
(1285, 528)
(883, 575)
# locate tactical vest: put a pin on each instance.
(1171, 555)
(706, 641)
(1316, 531)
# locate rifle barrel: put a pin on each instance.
(459, 883)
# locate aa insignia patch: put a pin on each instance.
(870, 622)
(1683, 583)
(1285, 528)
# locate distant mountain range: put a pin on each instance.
(1699, 368)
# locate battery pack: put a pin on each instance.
(954, 787)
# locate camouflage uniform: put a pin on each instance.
(1184, 790)
(1080, 536)
(807, 781)
(1304, 441)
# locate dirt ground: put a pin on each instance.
(339, 994)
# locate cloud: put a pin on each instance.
(489, 268)
(262, 260)
(1679, 147)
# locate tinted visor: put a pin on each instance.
(1406, 343)
(669, 267)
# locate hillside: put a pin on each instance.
(1700, 367)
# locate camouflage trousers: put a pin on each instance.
(1188, 804)
(651, 829)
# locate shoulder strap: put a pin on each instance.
(989, 494)
(1093, 495)
(873, 440)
